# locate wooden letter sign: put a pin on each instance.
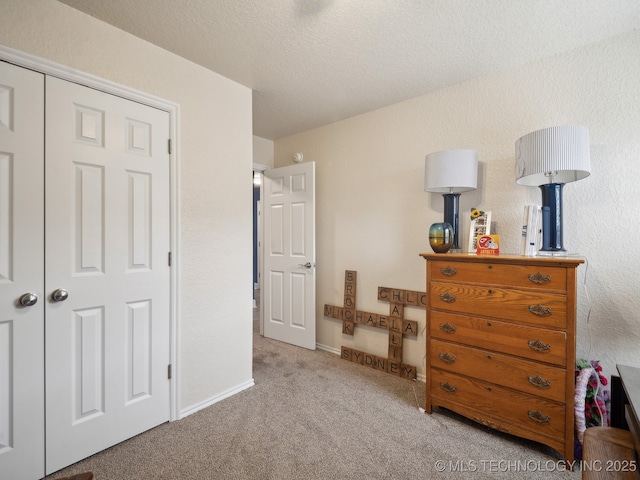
(394, 323)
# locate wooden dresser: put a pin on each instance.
(501, 343)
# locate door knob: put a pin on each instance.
(305, 265)
(60, 295)
(28, 299)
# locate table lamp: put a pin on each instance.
(451, 172)
(548, 159)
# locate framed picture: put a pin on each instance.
(480, 225)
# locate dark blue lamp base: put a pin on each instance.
(552, 219)
(451, 206)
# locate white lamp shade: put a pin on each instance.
(451, 171)
(553, 155)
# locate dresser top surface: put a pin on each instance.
(568, 261)
(631, 380)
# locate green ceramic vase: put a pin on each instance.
(441, 237)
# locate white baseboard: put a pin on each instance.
(327, 348)
(207, 403)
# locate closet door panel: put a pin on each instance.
(107, 244)
(21, 273)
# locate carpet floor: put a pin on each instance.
(312, 415)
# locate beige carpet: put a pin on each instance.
(312, 415)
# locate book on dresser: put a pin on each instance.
(500, 343)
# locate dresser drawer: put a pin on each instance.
(540, 309)
(543, 278)
(539, 344)
(541, 416)
(522, 375)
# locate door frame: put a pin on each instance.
(47, 67)
(261, 168)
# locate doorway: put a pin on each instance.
(257, 189)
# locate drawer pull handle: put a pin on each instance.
(447, 387)
(447, 327)
(539, 382)
(488, 423)
(448, 271)
(447, 297)
(446, 358)
(539, 279)
(540, 310)
(538, 346)
(538, 417)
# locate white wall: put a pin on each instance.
(215, 342)
(373, 215)
(263, 151)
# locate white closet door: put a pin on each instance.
(107, 245)
(21, 272)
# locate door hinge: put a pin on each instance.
(169, 146)
(169, 258)
(169, 372)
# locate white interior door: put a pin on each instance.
(107, 246)
(21, 272)
(289, 254)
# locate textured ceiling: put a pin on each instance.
(314, 62)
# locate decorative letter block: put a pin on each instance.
(394, 323)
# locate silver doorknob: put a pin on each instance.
(305, 265)
(60, 295)
(28, 299)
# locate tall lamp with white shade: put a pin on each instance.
(451, 172)
(548, 159)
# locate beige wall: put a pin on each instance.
(373, 215)
(215, 318)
